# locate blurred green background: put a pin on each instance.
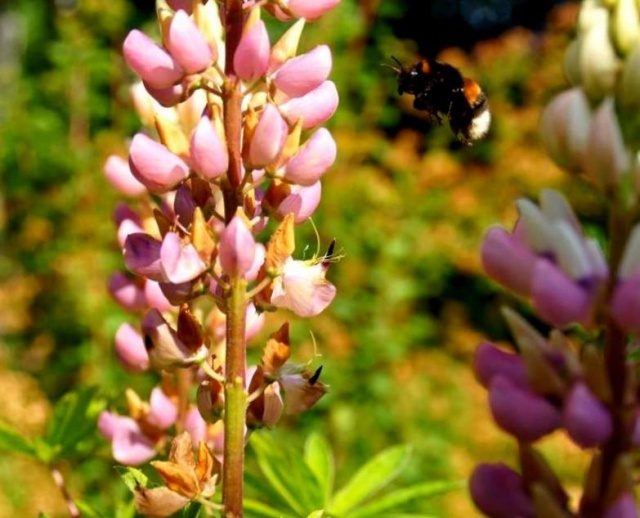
(407, 204)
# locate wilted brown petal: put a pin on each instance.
(158, 502)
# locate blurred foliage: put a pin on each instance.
(407, 203)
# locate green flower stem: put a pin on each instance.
(235, 400)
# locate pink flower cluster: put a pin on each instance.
(182, 246)
(548, 258)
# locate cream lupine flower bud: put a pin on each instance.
(564, 127)
(605, 157)
(287, 46)
(625, 26)
(187, 45)
(599, 63)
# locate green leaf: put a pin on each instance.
(133, 478)
(125, 509)
(317, 514)
(86, 510)
(319, 457)
(402, 496)
(12, 440)
(373, 476)
(74, 420)
(192, 510)
(288, 475)
(255, 508)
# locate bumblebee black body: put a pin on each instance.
(442, 91)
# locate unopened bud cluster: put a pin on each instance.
(189, 232)
(583, 384)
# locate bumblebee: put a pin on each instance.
(441, 90)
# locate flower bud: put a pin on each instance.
(559, 299)
(623, 507)
(142, 256)
(180, 262)
(209, 155)
(490, 361)
(154, 165)
(268, 137)
(299, 75)
(130, 349)
(508, 261)
(252, 55)
(166, 350)
(169, 96)
(498, 492)
(301, 201)
(128, 444)
(308, 165)
(629, 86)
(210, 400)
(310, 9)
(586, 419)
(606, 158)
(237, 247)
(301, 391)
(127, 292)
(287, 46)
(314, 108)
(155, 66)
(564, 127)
(117, 172)
(599, 64)
(625, 26)
(187, 45)
(521, 413)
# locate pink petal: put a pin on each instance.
(311, 9)
(187, 45)
(586, 419)
(252, 55)
(154, 165)
(155, 66)
(127, 292)
(142, 256)
(301, 202)
(558, 299)
(117, 172)
(154, 296)
(130, 349)
(298, 76)
(268, 138)
(162, 411)
(180, 262)
(521, 413)
(131, 447)
(499, 492)
(625, 304)
(237, 248)
(313, 108)
(508, 261)
(303, 289)
(490, 361)
(308, 165)
(168, 96)
(209, 155)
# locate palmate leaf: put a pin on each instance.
(319, 457)
(74, 420)
(370, 478)
(288, 474)
(12, 440)
(381, 506)
(258, 509)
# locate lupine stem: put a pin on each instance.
(235, 394)
(235, 401)
(615, 355)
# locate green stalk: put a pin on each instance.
(235, 401)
